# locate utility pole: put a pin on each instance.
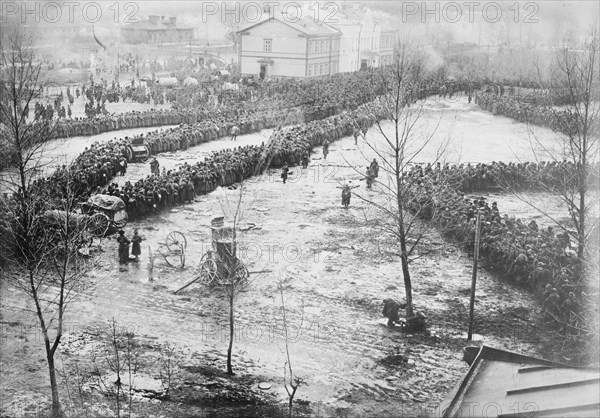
(474, 278)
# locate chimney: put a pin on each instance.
(172, 21)
(153, 19)
(162, 18)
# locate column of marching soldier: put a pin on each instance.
(537, 257)
(93, 170)
(316, 96)
(514, 107)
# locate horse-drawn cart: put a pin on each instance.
(108, 211)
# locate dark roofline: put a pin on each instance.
(338, 32)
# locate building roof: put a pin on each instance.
(306, 25)
(509, 384)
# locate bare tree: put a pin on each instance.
(575, 78)
(42, 235)
(291, 381)
(47, 264)
(398, 196)
(233, 275)
(572, 178)
(119, 353)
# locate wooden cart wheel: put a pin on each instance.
(208, 269)
(98, 224)
(121, 220)
(144, 157)
(129, 151)
(176, 242)
(174, 259)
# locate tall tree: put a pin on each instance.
(575, 78)
(232, 274)
(42, 236)
(398, 147)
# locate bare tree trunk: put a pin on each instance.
(231, 329)
(56, 412)
(582, 213)
(407, 282)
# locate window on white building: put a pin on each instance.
(310, 70)
(268, 45)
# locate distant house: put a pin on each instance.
(367, 41)
(279, 47)
(156, 30)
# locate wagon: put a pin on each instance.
(137, 153)
(109, 213)
(81, 228)
(94, 224)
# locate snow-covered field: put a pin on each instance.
(336, 268)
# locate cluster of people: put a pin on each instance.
(101, 123)
(513, 107)
(94, 170)
(318, 99)
(124, 243)
(100, 93)
(189, 135)
(536, 256)
(51, 109)
(541, 258)
(513, 176)
(166, 189)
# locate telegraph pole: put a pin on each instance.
(474, 277)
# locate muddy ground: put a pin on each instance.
(336, 267)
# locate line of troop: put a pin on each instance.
(499, 176)
(513, 107)
(539, 258)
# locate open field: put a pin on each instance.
(336, 267)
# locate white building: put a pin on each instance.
(368, 39)
(282, 47)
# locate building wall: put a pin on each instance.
(365, 42)
(323, 56)
(293, 54)
(288, 50)
(349, 47)
(387, 46)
